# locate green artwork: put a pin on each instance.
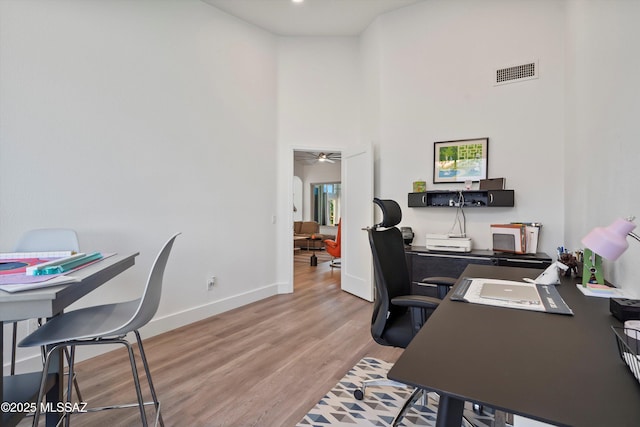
(592, 271)
(460, 161)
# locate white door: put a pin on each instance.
(357, 213)
(297, 199)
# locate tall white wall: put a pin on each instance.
(128, 121)
(318, 108)
(318, 91)
(603, 141)
(437, 62)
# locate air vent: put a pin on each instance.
(517, 73)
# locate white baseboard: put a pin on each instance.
(159, 325)
(166, 323)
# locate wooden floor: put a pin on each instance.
(265, 364)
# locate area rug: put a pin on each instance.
(380, 404)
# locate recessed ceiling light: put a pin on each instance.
(297, 1)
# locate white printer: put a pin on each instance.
(444, 242)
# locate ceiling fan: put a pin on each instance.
(324, 157)
(310, 157)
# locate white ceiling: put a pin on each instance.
(311, 17)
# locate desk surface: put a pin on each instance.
(46, 302)
(560, 369)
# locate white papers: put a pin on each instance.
(614, 293)
(25, 255)
(54, 281)
(21, 282)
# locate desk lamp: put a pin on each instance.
(609, 242)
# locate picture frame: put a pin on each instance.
(460, 160)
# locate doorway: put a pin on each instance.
(356, 211)
(317, 179)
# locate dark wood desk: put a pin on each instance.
(48, 302)
(425, 263)
(563, 370)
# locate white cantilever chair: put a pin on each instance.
(43, 240)
(105, 324)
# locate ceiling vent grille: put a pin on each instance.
(517, 73)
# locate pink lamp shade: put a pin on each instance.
(609, 242)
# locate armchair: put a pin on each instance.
(333, 247)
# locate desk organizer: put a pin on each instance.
(629, 348)
(624, 309)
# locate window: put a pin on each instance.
(326, 203)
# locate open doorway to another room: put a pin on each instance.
(316, 213)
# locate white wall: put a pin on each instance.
(603, 141)
(317, 91)
(318, 109)
(128, 121)
(437, 61)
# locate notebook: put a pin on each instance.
(511, 293)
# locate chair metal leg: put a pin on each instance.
(136, 381)
(359, 393)
(74, 376)
(71, 356)
(134, 370)
(43, 382)
(417, 393)
(14, 343)
(68, 357)
(147, 371)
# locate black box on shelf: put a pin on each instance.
(625, 309)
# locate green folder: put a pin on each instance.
(65, 266)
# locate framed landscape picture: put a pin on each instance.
(460, 161)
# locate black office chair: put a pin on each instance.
(397, 315)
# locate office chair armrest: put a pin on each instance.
(443, 284)
(445, 281)
(331, 243)
(421, 308)
(418, 301)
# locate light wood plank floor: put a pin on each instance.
(265, 364)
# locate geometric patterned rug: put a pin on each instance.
(380, 405)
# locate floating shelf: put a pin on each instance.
(457, 198)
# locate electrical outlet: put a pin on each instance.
(211, 282)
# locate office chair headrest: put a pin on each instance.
(391, 213)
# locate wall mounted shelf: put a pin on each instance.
(466, 198)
